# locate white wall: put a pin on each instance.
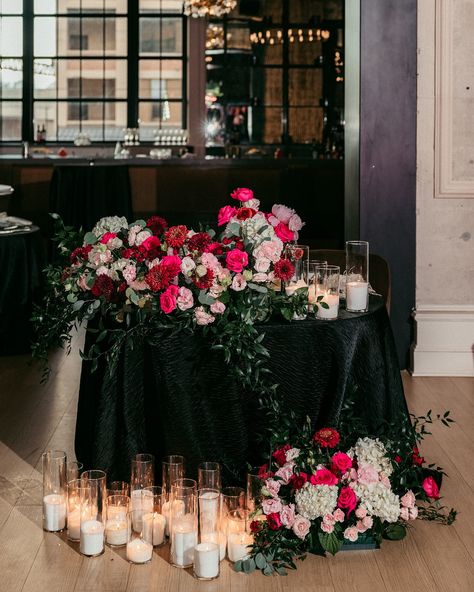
(445, 189)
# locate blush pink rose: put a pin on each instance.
(341, 462)
(236, 260)
(323, 477)
(242, 194)
(283, 213)
(271, 506)
(295, 223)
(288, 515)
(285, 472)
(431, 488)
(225, 214)
(325, 527)
(185, 299)
(273, 487)
(338, 515)
(284, 233)
(262, 264)
(408, 500)
(329, 519)
(361, 512)
(168, 299)
(367, 474)
(301, 527)
(351, 534)
(202, 317)
(218, 307)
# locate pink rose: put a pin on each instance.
(168, 299)
(238, 283)
(236, 260)
(338, 515)
(242, 194)
(271, 506)
(108, 236)
(285, 472)
(368, 522)
(225, 214)
(288, 515)
(282, 212)
(329, 519)
(295, 223)
(218, 307)
(408, 500)
(325, 527)
(323, 477)
(367, 474)
(152, 242)
(341, 462)
(273, 487)
(351, 534)
(284, 233)
(347, 499)
(202, 317)
(301, 527)
(430, 487)
(262, 264)
(361, 512)
(185, 299)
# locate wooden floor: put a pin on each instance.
(33, 418)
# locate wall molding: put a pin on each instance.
(444, 340)
(445, 185)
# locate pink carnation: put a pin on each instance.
(262, 264)
(238, 283)
(301, 526)
(413, 513)
(129, 273)
(218, 307)
(185, 299)
(285, 472)
(351, 534)
(271, 506)
(404, 513)
(408, 500)
(202, 317)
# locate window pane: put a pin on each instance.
(11, 78)
(11, 6)
(266, 125)
(268, 51)
(161, 36)
(161, 79)
(45, 36)
(10, 120)
(159, 114)
(11, 36)
(268, 86)
(306, 49)
(44, 6)
(92, 79)
(156, 6)
(306, 125)
(305, 87)
(45, 114)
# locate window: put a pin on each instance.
(91, 66)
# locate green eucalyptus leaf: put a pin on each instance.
(90, 238)
(260, 561)
(258, 288)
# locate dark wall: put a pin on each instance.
(388, 149)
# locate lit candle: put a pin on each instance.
(183, 540)
(92, 538)
(177, 508)
(154, 525)
(237, 545)
(332, 300)
(54, 512)
(142, 503)
(116, 532)
(74, 524)
(219, 538)
(312, 294)
(206, 561)
(357, 296)
(291, 289)
(139, 551)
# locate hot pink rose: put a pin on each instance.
(325, 527)
(295, 223)
(323, 477)
(351, 534)
(282, 212)
(367, 474)
(288, 515)
(347, 499)
(185, 299)
(408, 500)
(225, 214)
(152, 242)
(341, 462)
(108, 236)
(236, 260)
(284, 233)
(301, 527)
(430, 487)
(168, 299)
(271, 506)
(218, 307)
(242, 194)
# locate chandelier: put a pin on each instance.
(202, 8)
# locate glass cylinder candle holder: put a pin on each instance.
(209, 476)
(141, 503)
(183, 522)
(238, 535)
(54, 490)
(357, 276)
(254, 490)
(154, 523)
(172, 469)
(74, 493)
(143, 471)
(298, 255)
(118, 488)
(233, 498)
(93, 511)
(326, 280)
(74, 470)
(312, 266)
(210, 549)
(138, 549)
(116, 523)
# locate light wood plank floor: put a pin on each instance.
(34, 417)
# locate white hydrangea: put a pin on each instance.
(372, 452)
(110, 224)
(378, 501)
(256, 229)
(313, 501)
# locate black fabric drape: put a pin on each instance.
(177, 397)
(81, 194)
(21, 264)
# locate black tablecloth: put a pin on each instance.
(177, 397)
(21, 262)
(82, 194)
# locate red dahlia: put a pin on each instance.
(159, 277)
(175, 236)
(205, 281)
(199, 242)
(103, 286)
(284, 270)
(327, 437)
(157, 224)
(214, 248)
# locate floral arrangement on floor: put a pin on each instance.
(334, 488)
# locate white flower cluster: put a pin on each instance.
(378, 501)
(372, 452)
(257, 229)
(110, 224)
(313, 501)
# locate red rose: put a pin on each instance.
(431, 488)
(256, 526)
(284, 270)
(284, 233)
(242, 194)
(347, 499)
(244, 213)
(199, 241)
(340, 461)
(280, 454)
(417, 459)
(273, 521)
(176, 236)
(297, 254)
(323, 477)
(327, 437)
(103, 286)
(168, 299)
(297, 481)
(236, 260)
(397, 459)
(264, 473)
(157, 224)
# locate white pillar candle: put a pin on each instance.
(142, 503)
(312, 294)
(154, 525)
(177, 507)
(54, 512)
(332, 300)
(92, 537)
(357, 294)
(219, 538)
(206, 561)
(183, 540)
(116, 532)
(139, 551)
(291, 289)
(74, 524)
(237, 545)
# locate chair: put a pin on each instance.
(379, 270)
(5, 193)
